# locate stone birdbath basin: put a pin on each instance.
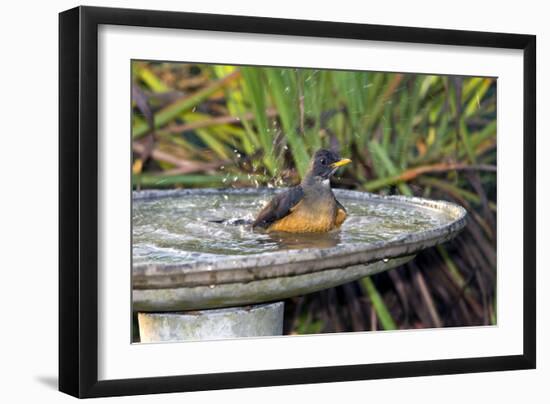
(196, 278)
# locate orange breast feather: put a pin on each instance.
(304, 218)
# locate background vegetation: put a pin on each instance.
(432, 136)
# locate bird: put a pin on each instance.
(309, 207)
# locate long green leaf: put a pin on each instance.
(170, 112)
(380, 308)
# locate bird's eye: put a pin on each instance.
(323, 161)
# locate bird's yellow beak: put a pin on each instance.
(340, 163)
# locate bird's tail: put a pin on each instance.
(233, 222)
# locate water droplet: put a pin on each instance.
(385, 260)
(212, 286)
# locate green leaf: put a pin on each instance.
(380, 308)
(171, 111)
(283, 92)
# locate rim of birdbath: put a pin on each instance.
(262, 267)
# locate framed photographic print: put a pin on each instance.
(251, 201)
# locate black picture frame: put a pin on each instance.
(78, 200)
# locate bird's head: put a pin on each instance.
(324, 164)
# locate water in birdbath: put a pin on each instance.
(183, 228)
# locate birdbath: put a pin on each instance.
(198, 272)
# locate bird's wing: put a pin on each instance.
(341, 214)
(340, 206)
(280, 206)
